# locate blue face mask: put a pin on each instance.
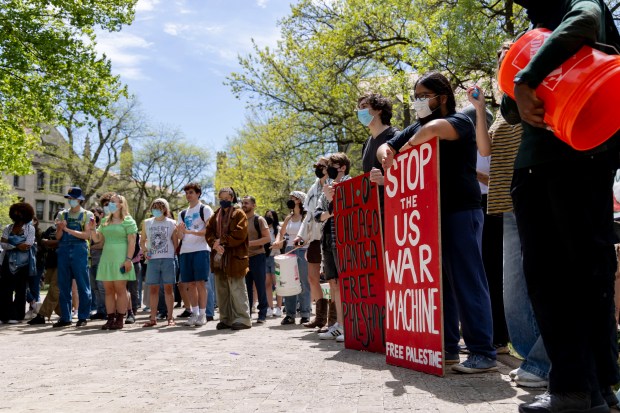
(364, 116)
(111, 207)
(225, 204)
(156, 213)
(73, 203)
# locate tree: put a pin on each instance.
(48, 66)
(265, 159)
(90, 149)
(7, 198)
(163, 165)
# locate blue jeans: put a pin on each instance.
(465, 289)
(97, 291)
(290, 303)
(522, 326)
(256, 276)
(210, 286)
(73, 264)
(34, 285)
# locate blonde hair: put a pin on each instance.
(122, 207)
(161, 202)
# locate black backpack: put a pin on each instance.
(267, 246)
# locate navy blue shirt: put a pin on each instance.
(459, 188)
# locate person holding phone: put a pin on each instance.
(118, 229)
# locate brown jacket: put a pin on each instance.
(236, 259)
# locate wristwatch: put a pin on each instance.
(128, 259)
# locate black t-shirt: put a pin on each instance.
(457, 164)
(51, 261)
(369, 151)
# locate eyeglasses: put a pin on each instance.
(424, 96)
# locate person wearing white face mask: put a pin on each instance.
(73, 232)
(159, 240)
(465, 289)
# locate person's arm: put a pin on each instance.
(85, 234)
(436, 128)
(264, 233)
(143, 236)
(482, 177)
(483, 140)
(387, 151)
(239, 233)
(209, 231)
(279, 241)
(175, 238)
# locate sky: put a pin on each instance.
(177, 54)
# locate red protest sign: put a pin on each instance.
(414, 326)
(359, 252)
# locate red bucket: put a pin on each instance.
(581, 97)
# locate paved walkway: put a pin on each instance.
(269, 368)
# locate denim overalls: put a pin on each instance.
(72, 255)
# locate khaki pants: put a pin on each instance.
(50, 303)
(232, 300)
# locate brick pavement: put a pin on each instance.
(269, 368)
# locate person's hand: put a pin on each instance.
(277, 245)
(479, 101)
(376, 176)
(297, 240)
(23, 247)
(328, 191)
(127, 264)
(531, 108)
(61, 225)
(388, 159)
(91, 224)
(220, 249)
(216, 244)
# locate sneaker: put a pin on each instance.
(130, 319)
(527, 379)
(162, 316)
(209, 318)
(146, 309)
(277, 312)
(36, 306)
(12, 322)
(191, 321)
(61, 323)
(452, 358)
(566, 402)
(185, 314)
(331, 334)
(81, 323)
(476, 363)
(287, 320)
(340, 338)
(514, 373)
(240, 326)
(29, 315)
(304, 320)
(270, 312)
(201, 320)
(74, 315)
(39, 319)
(260, 321)
(177, 305)
(222, 326)
(501, 348)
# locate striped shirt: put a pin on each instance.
(505, 141)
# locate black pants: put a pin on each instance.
(13, 307)
(564, 215)
(493, 259)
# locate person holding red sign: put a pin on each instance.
(465, 289)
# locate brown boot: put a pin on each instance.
(118, 323)
(321, 314)
(331, 316)
(110, 323)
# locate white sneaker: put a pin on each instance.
(201, 320)
(37, 307)
(527, 379)
(514, 373)
(75, 315)
(340, 338)
(29, 315)
(270, 312)
(277, 312)
(191, 321)
(12, 322)
(331, 334)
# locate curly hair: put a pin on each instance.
(21, 212)
(378, 102)
(439, 84)
(195, 186)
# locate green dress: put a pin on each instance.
(115, 250)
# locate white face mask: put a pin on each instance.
(422, 108)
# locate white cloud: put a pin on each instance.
(262, 3)
(146, 5)
(121, 48)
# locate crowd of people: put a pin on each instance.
(549, 291)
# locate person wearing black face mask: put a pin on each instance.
(290, 229)
(227, 235)
(465, 289)
(310, 234)
(557, 259)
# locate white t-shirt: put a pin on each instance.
(159, 237)
(193, 222)
(483, 164)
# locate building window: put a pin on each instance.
(40, 209)
(17, 181)
(56, 183)
(40, 181)
(54, 208)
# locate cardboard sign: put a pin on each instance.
(414, 322)
(359, 256)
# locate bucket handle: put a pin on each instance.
(608, 46)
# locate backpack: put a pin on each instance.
(266, 246)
